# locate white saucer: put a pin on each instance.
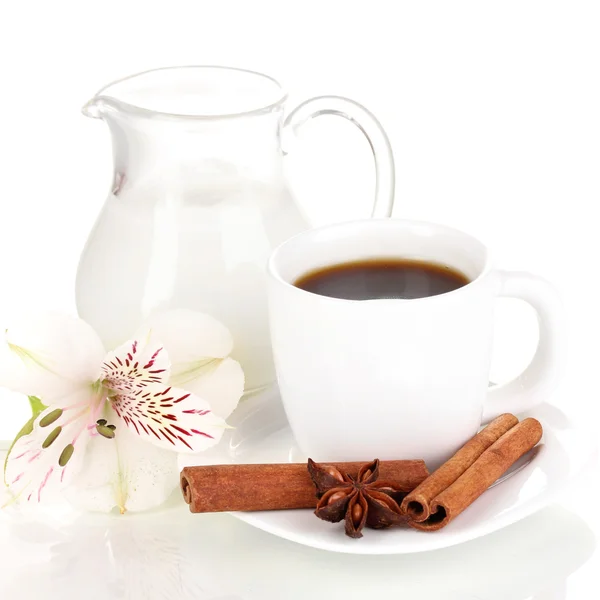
(262, 435)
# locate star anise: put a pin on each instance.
(360, 500)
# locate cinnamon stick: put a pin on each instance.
(218, 488)
(418, 503)
(448, 503)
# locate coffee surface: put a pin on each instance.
(382, 278)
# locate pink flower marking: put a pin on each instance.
(34, 457)
(43, 485)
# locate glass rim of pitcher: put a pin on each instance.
(101, 99)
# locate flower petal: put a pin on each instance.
(170, 417)
(222, 385)
(198, 347)
(189, 336)
(49, 356)
(135, 364)
(43, 461)
(124, 472)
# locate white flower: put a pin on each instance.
(171, 388)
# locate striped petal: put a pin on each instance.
(41, 462)
(134, 365)
(221, 384)
(50, 356)
(199, 346)
(170, 417)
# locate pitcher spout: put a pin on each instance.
(96, 108)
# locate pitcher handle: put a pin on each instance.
(373, 131)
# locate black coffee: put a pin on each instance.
(382, 278)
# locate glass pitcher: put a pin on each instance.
(198, 200)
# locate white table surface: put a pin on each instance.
(549, 556)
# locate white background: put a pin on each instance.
(493, 110)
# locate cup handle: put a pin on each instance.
(373, 131)
(536, 382)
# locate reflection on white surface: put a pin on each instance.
(104, 557)
(174, 555)
(558, 592)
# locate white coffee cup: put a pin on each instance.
(394, 378)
